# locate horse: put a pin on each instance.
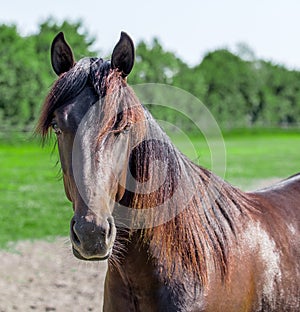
(177, 237)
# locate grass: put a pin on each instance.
(33, 204)
(249, 156)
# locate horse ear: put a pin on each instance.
(123, 55)
(62, 58)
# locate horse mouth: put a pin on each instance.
(79, 256)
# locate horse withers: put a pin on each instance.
(176, 236)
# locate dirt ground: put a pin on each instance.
(45, 276)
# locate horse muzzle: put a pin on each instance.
(92, 240)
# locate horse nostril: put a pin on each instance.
(110, 222)
(74, 236)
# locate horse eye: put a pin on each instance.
(126, 128)
(55, 128)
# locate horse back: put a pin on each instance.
(278, 209)
(282, 199)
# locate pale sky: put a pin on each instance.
(188, 28)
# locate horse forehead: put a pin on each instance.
(84, 64)
(72, 113)
(67, 111)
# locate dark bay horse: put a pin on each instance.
(177, 237)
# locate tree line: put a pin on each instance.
(240, 92)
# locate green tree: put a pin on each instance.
(232, 88)
(280, 95)
(17, 89)
(154, 64)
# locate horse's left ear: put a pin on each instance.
(62, 58)
(123, 55)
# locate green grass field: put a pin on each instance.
(33, 203)
(250, 156)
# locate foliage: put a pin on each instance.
(239, 89)
(240, 92)
(153, 64)
(250, 93)
(16, 68)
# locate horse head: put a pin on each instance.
(93, 112)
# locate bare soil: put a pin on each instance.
(45, 276)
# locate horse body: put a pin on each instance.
(176, 236)
(262, 269)
(262, 275)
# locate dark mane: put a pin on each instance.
(197, 231)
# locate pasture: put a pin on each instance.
(33, 203)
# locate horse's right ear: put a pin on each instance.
(62, 58)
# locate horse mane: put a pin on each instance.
(199, 225)
(200, 234)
